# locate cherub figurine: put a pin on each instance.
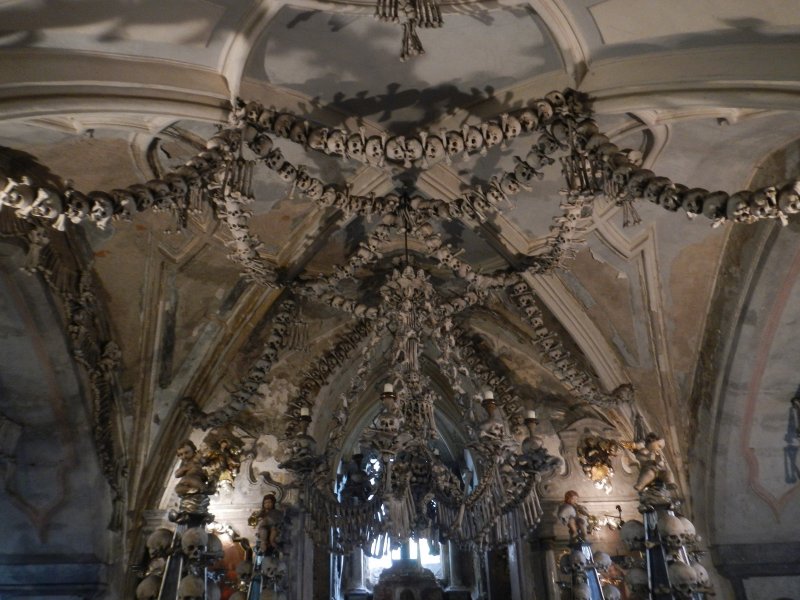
(574, 516)
(267, 522)
(191, 473)
(652, 462)
(222, 463)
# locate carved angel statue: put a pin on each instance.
(575, 516)
(222, 461)
(267, 522)
(190, 471)
(653, 466)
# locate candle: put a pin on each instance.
(305, 411)
(388, 388)
(531, 414)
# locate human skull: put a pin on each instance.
(283, 124)
(159, 542)
(789, 198)
(638, 181)
(473, 139)
(315, 189)
(611, 592)
(274, 159)
(547, 143)
(509, 184)
(653, 189)
(47, 204)
(434, 149)
(299, 132)
(671, 530)
(492, 134)
(632, 533)
(244, 570)
(581, 591)
(601, 560)
(455, 143)
(214, 548)
(672, 196)
(156, 567)
(318, 138)
(524, 172)
(738, 207)
(272, 568)
(355, 146)
(177, 185)
(261, 145)
(715, 205)
(693, 201)
(414, 150)
(18, 194)
(396, 149)
(544, 109)
(303, 179)
(578, 560)
(374, 150)
(528, 119)
(703, 579)
(148, 588)
(252, 110)
(511, 126)
(689, 535)
(191, 587)
(194, 542)
(102, 208)
(596, 141)
(764, 202)
(637, 581)
(336, 143)
(684, 578)
(142, 196)
(287, 172)
(78, 206)
(564, 564)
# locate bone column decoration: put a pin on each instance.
(178, 556)
(665, 547)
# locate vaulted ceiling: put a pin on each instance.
(700, 320)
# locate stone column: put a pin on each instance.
(553, 590)
(356, 590)
(457, 588)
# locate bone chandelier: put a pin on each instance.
(399, 486)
